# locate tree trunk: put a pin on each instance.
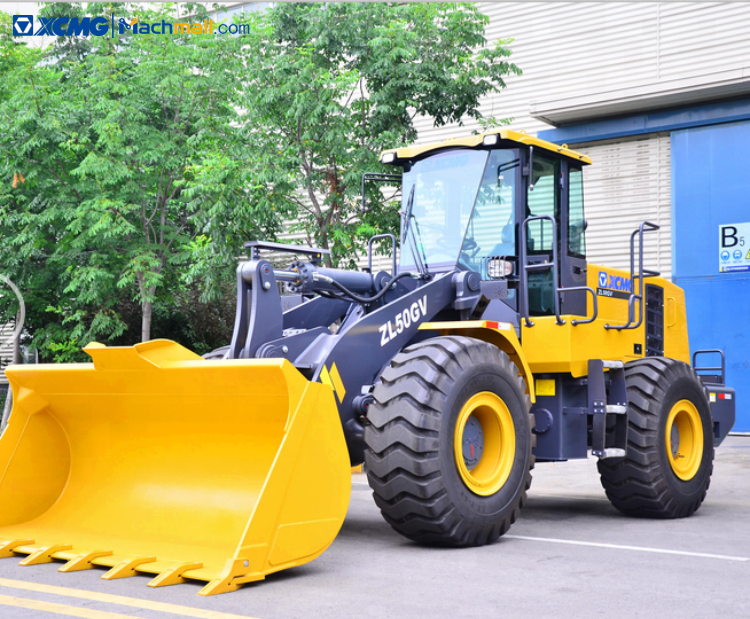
(327, 261)
(147, 309)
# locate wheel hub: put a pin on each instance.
(484, 444)
(675, 441)
(684, 438)
(473, 443)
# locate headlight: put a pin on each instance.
(388, 158)
(498, 269)
(490, 140)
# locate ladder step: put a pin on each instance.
(616, 409)
(612, 452)
(534, 266)
(613, 365)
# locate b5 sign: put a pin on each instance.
(734, 248)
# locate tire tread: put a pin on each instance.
(636, 484)
(402, 459)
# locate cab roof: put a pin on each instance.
(472, 141)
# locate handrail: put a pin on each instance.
(593, 295)
(712, 369)
(646, 226)
(538, 266)
(369, 251)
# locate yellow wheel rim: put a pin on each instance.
(684, 437)
(484, 443)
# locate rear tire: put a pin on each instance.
(424, 490)
(665, 473)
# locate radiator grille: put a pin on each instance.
(654, 321)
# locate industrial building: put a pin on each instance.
(658, 95)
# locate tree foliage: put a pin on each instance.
(133, 168)
(329, 86)
(106, 139)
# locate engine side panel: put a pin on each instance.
(566, 348)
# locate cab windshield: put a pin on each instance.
(460, 207)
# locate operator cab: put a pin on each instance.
(465, 201)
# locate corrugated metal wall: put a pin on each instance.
(6, 349)
(572, 48)
(567, 49)
(628, 183)
(701, 38)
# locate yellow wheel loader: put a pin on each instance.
(490, 345)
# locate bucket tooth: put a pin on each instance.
(231, 578)
(6, 548)
(127, 568)
(220, 585)
(83, 561)
(174, 575)
(44, 555)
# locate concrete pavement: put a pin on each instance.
(570, 555)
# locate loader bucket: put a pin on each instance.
(153, 460)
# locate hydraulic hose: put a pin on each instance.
(355, 297)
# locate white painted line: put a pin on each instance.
(664, 551)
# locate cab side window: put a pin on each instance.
(543, 199)
(576, 219)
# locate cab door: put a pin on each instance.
(553, 192)
(572, 253)
(543, 199)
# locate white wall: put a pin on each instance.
(569, 50)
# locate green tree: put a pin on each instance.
(133, 168)
(328, 86)
(107, 139)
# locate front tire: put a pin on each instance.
(449, 443)
(667, 469)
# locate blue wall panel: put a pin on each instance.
(711, 187)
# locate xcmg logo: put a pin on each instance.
(23, 26)
(614, 282)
